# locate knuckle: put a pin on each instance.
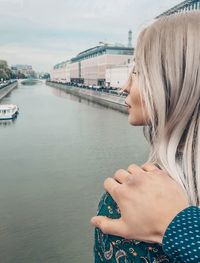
(136, 180)
(130, 179)
(132, 168)
(118, 172)
(158, 172)
(145, 165)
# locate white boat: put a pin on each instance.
(8, 111)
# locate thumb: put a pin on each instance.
(110, 226)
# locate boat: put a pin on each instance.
(8, 111)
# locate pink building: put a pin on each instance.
(61, 72)
(89, 67)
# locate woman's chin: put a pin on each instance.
(134, 121)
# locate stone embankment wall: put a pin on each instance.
(102, 98)
(4, 91)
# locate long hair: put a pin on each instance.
(167, 61)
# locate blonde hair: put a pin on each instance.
(167, 61)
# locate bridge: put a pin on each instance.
(182, 7)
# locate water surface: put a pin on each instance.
(54, 159)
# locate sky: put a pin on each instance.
(43, 33)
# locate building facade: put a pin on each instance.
(184, 6)
(107, 65)
(90, 66)
(26, 70)
(61, 72)
(117, 76)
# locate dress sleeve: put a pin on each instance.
(181, 240)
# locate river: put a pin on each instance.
(54, 158)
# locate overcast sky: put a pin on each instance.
(44, 32)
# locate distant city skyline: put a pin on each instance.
(43, 33)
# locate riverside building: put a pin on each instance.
(61, 72)
(116, 76)
(107, 65)
(89, 67)
(26, 70)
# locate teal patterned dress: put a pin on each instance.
(113, 249)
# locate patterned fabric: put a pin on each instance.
(113, 249)
(182, 237)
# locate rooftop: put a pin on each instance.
(180, 6)
(103, 49)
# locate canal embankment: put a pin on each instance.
(7, 89)
(101, 98)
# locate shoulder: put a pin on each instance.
(110, 248)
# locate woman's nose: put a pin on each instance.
(126, 87)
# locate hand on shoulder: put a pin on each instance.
(148, 199)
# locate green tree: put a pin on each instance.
(5, 72)
(46, 76)
(3, 64)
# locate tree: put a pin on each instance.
(5, 72)
(3, 64)
(46, 76)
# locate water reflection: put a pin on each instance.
(59, 92)
(7, 122)
(64, 93)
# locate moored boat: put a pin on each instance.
(8, 111)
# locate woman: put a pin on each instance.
(163, 96)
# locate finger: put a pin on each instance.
(112, 187)
(135, 173)
(115, 227)
(121, 176)
(135, 169)
(149, 167)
